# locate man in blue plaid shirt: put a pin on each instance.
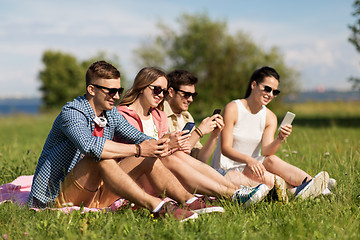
(79, 162)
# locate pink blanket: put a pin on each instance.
(18, 192)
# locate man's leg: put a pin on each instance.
(89, 174)
(165, 182)
(204, 169)
(158, 175)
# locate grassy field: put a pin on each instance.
(313, 147)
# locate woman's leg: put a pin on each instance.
(160, 178)
(194, 180)
(247, 178)
(204, 169)
(294, 176)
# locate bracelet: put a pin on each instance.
(138, 150)
(198, 131)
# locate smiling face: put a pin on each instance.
(101, 100)
(149, 96)
(177, 100)
(258, 92)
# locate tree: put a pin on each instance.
(63, 77)
(355, 39)
(222, 62)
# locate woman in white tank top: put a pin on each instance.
(247, 142)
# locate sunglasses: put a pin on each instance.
(111, 91)
(268, 89)
(187, 94)
(157, 90)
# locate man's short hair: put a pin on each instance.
(101, 70)
(178, 78)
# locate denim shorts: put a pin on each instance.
(221, 171)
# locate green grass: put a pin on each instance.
(332, 148)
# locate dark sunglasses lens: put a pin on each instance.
(276, 92)
(113, 91)
(189, 94)
(267, 89)
(166, 92)
(120, 91)
(157, 90)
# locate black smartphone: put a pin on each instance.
(188, 126)
(216, 111)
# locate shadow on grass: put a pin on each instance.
(327, 121)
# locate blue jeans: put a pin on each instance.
(221, 171)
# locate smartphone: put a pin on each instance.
(216, 111)
(188, 126)
(288, 119)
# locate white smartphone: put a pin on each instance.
(288, 119)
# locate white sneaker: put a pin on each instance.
(331, 186)
(248, 195)
(327, 192)
(314, 187)
(280, 189)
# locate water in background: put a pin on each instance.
(32, 105)
(15, 106)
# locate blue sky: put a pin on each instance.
(312, 35)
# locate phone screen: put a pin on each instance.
(216, 111)
(188, 126)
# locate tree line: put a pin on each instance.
(223, 62)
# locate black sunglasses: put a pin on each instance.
(268, 89)
(112, 91)
(187, 94)
(157, 90)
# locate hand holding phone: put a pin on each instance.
(288, 119)
(188, 126)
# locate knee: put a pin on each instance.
(171, 161)
(270, 160)
(148, 163)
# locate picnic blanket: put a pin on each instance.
(18, 192)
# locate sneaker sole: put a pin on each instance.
(315, 187)
(258, 196)
(192, 217)
(280, 189)
(209, 210)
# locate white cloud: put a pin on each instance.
(83, 28)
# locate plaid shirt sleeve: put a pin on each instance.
(127, 132)
(74, 125)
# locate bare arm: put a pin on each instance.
(269, 144)
(149, 148)
(206, 126)
(206, 151)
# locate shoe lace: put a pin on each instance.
(244, 192)
(170, 207)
